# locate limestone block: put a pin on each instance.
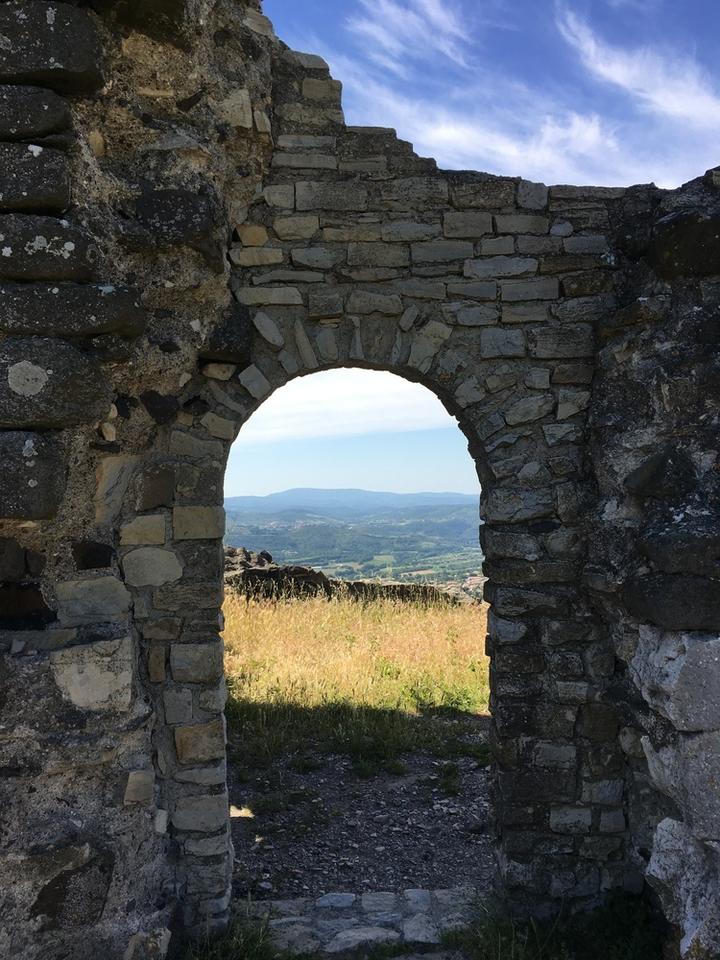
(532, 196)
(497, 247)
(516, 505)
(203, 814)
(186, 445)
(200, 742)
(255, 382)
(317, 89)
(468, 224)
(363, 938)
(219, 371)
(270, 296)
(409, 232)
(143, 531)
(305, 161)
(51, 45)
(327, 344)
(91, 601)
(472, 289)
(353, 232)
(70, 310)
(149, 946)
(407, 320)
(304, 347)
(318, 258)
(34, 178)
(521, 223)
(679, 675)
(412, 193)
(236, 109)
(674, 601)
(252, 234)
(96, 676)
(342, 195)
(426, 343)
(471, 316)
(289, 276)
(572, 402)
(441, 251)
(469, 392)
(570, 819)
(32, 480)
(585, 244)
(151, 567)
(281, 195)
(181, 218)
(219, 427)
(295, 141)
(198, 523)
(378, 255)
(364, 302)
(500, 267)
(178, 705)
(43, 248)
(255, 256)
(326, 303)
(529, 409)
(482, 191)
(497, 342)
(140, 787)
(197, 662)
(541, 289)
(29, 112)
(534, 312)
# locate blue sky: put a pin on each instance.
(607, 92)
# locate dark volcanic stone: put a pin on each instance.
(161, 408)
(686, 245)
(28, 113)
(34, 178)
(181, 217)
(90, 555)
(49, 44)
(668, 475)
(42, 248)
(685, 542)
(48, 383)
(75, 898)
(231, 340)
(32, 479)
(23, 607)
(166, 20)
(70, 310)
(674, 602)
(12, 560)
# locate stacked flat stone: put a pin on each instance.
(186, 224)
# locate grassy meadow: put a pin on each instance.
(370, 679)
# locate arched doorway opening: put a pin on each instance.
(358, 689)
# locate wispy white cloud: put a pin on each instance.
(663, 82)
(345, 403)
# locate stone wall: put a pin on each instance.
(187, 224)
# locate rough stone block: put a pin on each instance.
(490, 267)
(314, 88)
(305, 161)
(203, 814)
(143, 531)
(197, 662)
(297, 227)
(140, 787)
(377, 255)
(498, 342)
(178, 703)
(51, 45)
(342, 195)
(319, 258)
(29, 113)
(540, 289)
(409, 232)
(562, 342)
(467, 224)
(364, 302)
(92, 601)
(529, 409)
(686, 244)
(412, 193)
(482, 191)
(521, 223)
(96, 676)
(47, 383)
(151, 567)
(32, 481)
(42, 248)
(34, 178)
(270, 296)
(441, 251)
(70, 310)
(532, 196)
(198, 523)
(675, 602)
(200, 742)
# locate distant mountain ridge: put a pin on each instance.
(344, 503)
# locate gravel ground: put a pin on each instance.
(305, 834)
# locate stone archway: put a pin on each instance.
(173, 250)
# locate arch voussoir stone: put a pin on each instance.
(217, 231)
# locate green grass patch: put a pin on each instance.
(243, 941)
(624, 929)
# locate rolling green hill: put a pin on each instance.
(356, 534)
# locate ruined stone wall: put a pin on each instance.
(187, 224)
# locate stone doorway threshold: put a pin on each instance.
(348, 923)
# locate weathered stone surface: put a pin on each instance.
(201, 814)
(542, 289)
(196, 663)
(231, 339)
(427, 343)
(361, 301)
(91, 601)
(34, 178)
(468, 224)
(41, 248)
(32, 482)
(677, 602)
(30, 113)
(361, 937)
(441, 251)
(201, 742)
(51, 45)
(686, 244)
(198, 523)
(501, 267)
(346, 195)
(151, 567)
(683, 542)
(140, 787)
(180, 217)
(502, 343)
(47, 383)
(562, 342)
(96, 676)
(70, 310)
(513, 506)
(143, 531)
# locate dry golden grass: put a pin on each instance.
(346, 673)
